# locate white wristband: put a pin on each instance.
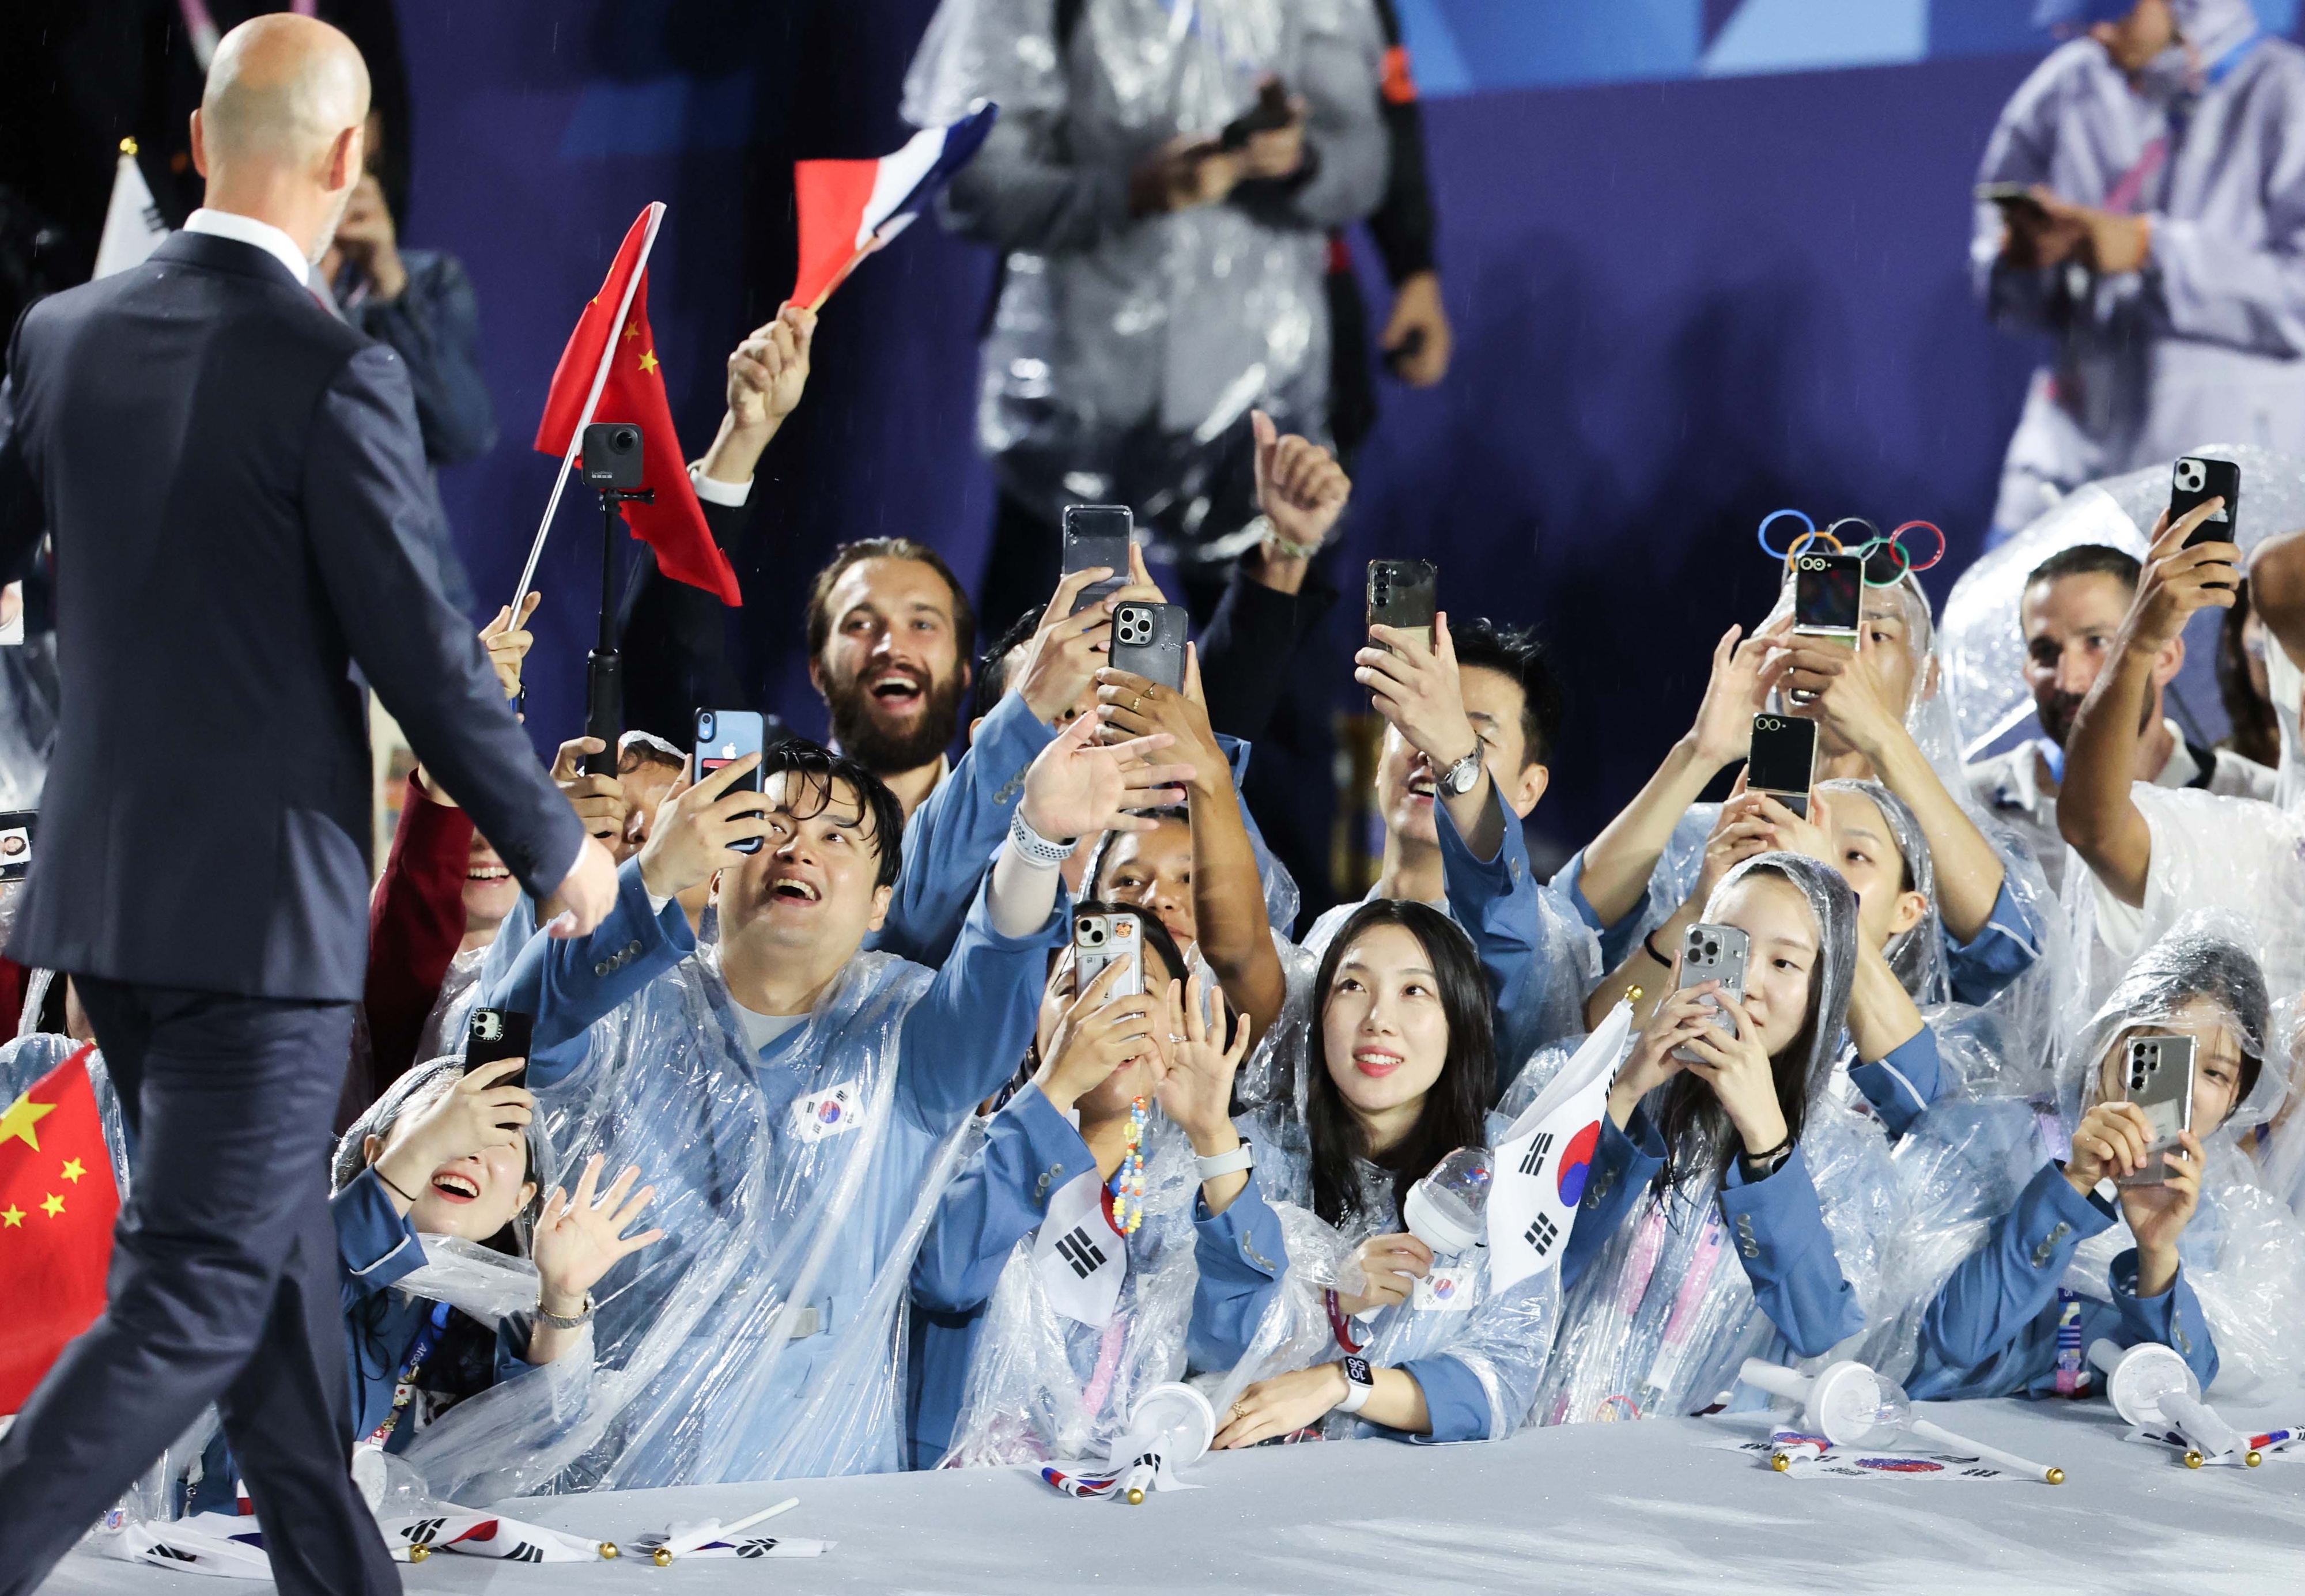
(1035, 849)
(1357, 1391)
(1243, 1157)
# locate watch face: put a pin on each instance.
(1356, 1370)
(1459, 777)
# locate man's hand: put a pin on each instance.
(2034, 237)
(508, 642)
(1300, 486)
(1130, 706)
(1078, 786)
(599, 801)
(1417, 310)
(768, 370)
(2109, 242)
(1276, 152)
(2179, 582)
(695, 827)
(1838, 687)
(1061, 657)
(1187, 172)
(584, 896)
(1734, 694)
(366, 238)
(1419, 690)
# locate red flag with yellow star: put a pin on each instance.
(57, 1204)
(619, 353)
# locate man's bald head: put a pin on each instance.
(282, 87)
(278, 133)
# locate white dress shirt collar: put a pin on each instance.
(248, 230)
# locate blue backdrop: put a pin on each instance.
(1704, 259)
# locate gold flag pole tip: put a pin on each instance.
(128, 147)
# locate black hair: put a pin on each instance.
(1157, 939)
(2256, 730)
(2088, 559)
(1102, 856)
(1696, 1128)
(821, 769)
(821, 617)
(1513, 651)
(1453, 1112)
(2226, 975)
(992, 669)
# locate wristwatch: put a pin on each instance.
(1458, 780)
(1243, 1157)
(556, 1322)
(1360, 1382)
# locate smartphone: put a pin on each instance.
(1101, 940)
(1828, 597)
(1404, 594)
(2194, 480)
(2010, 196)
(724, 736)
(1714, 953)
(16, 826)
(2158, 1077)
(1097, 535)
(495, 1033)
(1149, 639)
(1269, 112)
(1783, 760)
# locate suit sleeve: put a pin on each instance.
(435, 323)
(1247, 647)
(963, 1039)
(569, 984)
(1031, 1150)
(1981, 1315)
(370, 508)
(1777, 1225)
(1241, 1255)
(24, 512)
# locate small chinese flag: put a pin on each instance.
(58, 1205)
(633, 391)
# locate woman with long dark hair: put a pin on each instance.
(1359, 1322)
(1724, 1138)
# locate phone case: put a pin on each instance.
(496, 1033)
(724, 736)
(1783, 754)
(2157, 1076)
(17, 826)
(2193, 480)
(1100, 940)
(1828, 596)
(1097, 535)
(1714, 953)
(1404, 594)
(1149, 639)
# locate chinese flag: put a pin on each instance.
(57, 1204)
(674, 526)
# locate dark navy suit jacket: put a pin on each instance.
(236, 485)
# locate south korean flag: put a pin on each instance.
(1543, 1160)
(1080, 1259)
(484, 1535)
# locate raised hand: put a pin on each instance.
(1741, 831)
(1198, 1093)
(1737, 1067)
(1060, 660)
(695, 829)
(508, 642)
(1679, 1014)
(599, 801)
(1079, 787)
(1419, 690)
(2178, 582)
(1130, 706)
(580, 1239)
(584, 896)
(1733, 695)
(769, 371)
(1099, 1035)
(2109, 1142)
(480, 1112)
(1300, 486)
(2157, 1214)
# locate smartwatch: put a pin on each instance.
(1360, 1380)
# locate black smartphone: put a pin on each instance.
(2012, 197)
(1097, 535)
(495, 1033)
(1405, 594)
(724, 736)
(2192, 482)
(1783, 760)
(1828, 596)
(16, 828)
(1270, 113)
(1149, 639)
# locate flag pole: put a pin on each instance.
(599, 381)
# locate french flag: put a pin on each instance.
(850, 209)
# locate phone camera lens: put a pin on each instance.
(704, 725)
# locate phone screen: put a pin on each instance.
(1097, 535)
(1783, 756)
(1828, 591)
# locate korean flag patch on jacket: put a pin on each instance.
(1079, 1258)
(832, 1112)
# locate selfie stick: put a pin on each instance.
(2150, 1386)
(592, 400)
(604, 669)
(717, 1531)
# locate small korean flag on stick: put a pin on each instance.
(1543, 1160)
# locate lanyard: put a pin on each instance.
(404, 1389)
(2072, 1373)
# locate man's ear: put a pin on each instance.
(1522, 796)
(972, 725)
(882, 898)
(816, 677)
(343, 168)
(2169, 661)
(199, 146)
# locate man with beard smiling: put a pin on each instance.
(2071, 614)
(890, 635)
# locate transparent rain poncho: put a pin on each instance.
(1123, 352)
(1664, 1313)
(1044, 1387)
(2023, 1012)
(2243, 1252)
(2278, 1145)
(763, 1337)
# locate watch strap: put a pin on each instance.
(1243, 1157)
(1047, 853)
(557, 1322)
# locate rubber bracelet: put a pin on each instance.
(388, 1181)
(1035, 849)
(1648, 947)
(1243, 1157)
